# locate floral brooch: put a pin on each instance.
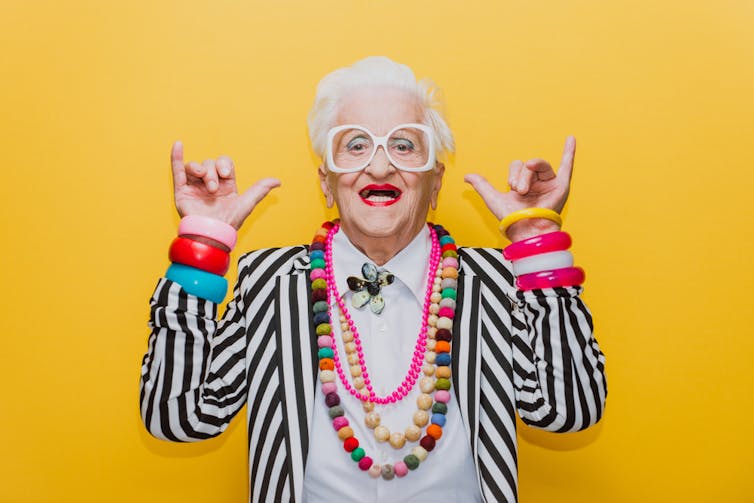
(367, 289)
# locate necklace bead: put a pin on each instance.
(427, 385)
(421, 418)
(374, 471)
(411, 461)
(381, 433)
(424, 401)
(345, 432)
(400, 469)
(443, 372)
(397, 440)
(387, 472)
(413, 433)
(372, 420)
(327, 376)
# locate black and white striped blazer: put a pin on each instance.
(531, 352)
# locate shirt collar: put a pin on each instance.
(409, 266)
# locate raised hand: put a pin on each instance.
(532, 184)
(209, 189)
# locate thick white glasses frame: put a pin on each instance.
(380, 141)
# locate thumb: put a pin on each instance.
(489, 194)
(249, 199)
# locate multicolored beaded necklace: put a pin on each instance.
(433, 347)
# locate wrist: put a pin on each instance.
(529, 228)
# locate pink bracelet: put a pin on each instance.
(568, 276)
(197, 225)
(552, 241)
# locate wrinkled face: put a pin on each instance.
(381, 201)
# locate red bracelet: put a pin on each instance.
(568, 276)
(200, 255)
(552, 241)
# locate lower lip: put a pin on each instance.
(389, 202)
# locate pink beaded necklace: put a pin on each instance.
(421, 340)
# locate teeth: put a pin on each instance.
(379, 195)
(380, 199)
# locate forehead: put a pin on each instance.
(379, 109)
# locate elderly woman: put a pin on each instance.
(382, 362)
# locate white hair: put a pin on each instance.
(376, 71)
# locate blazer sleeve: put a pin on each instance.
(193, 378)
(556, 367)
(561, 384)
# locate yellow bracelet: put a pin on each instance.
(519, 215)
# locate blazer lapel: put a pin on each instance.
(297, 368)
(467, 356)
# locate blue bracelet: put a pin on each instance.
(197, 282)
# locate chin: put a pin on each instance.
(374, 228)
(382, 221)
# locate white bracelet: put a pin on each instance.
(543, 262)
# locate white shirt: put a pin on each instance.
(388, 340)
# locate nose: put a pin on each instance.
(380, 166)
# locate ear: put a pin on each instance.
(325, 185)
(438, 172)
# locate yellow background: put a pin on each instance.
(660, 96)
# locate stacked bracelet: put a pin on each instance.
(519, 215)
(197, 266)
(544, 262)
(197, 282)
(543, 243)
(200, 255)
(196, 225)
(569, 276)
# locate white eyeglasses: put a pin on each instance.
(408, 147)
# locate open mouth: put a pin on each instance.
(380, 195)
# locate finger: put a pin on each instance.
(514, 171)
(210, 175)
(542, 168)
(194, 171)
(256, 193)
(176, 164)
(225, 168)
(566, 164)
(525, 179)
(488, 193)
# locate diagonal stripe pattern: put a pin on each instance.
(531, 353)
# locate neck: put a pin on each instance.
(380, 249)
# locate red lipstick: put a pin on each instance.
(380, 195)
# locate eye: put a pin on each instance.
(402, 145)
(358, 144)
